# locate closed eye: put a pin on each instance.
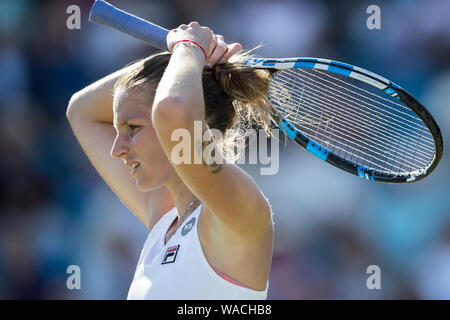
(132, 129)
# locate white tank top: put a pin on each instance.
(179, 269)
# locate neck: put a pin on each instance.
(160, 201)
(181, 194)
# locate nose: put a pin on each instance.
(119, 148)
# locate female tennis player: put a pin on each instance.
(210, 227)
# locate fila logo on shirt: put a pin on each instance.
(170, 254)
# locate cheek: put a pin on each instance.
(150, 150)
(145, 139)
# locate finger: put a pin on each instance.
(212, 45)
(232, 49)
(218, 52)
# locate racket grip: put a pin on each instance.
(106, 14)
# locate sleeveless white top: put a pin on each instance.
(179, 269)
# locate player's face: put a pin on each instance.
(136, 140)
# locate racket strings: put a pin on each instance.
(417, 121)
(283, 98)
(331, 114)
(387, 158)
(316, 101)
(350, 124)
(370, 93)
(333, 138)
(371, 107)
(365, 148)
(363, 144)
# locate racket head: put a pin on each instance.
(353, 119)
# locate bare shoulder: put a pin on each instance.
(245, 257)
(246, 231)
(248, 214)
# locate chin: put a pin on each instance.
(146, 185)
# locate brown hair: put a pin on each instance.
(234, 94)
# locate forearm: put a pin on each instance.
(182, 83)
(94, 103)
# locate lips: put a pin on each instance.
(134, 167)
(132, 163)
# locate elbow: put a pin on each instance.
(267, 214)
(169, 114)
(72, 106)
(264, 211)
(263, 214)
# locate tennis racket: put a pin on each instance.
(349, 117)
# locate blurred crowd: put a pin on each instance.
(55, 211)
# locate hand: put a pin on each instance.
(216, 49)
(220, 51)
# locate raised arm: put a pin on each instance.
(226, 190)
(90, 114)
